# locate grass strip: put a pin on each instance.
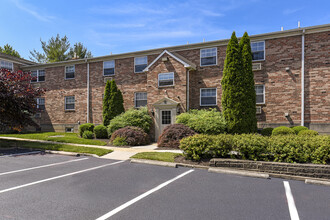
(56, 147)
(61, 137)
(160, 156)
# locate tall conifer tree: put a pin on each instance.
(250, 120)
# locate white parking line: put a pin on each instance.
(38, 167)
(127, 204)
(58, 177)
(292, 206)
(13, 155)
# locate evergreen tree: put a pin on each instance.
(232, 87)
(79, 51)
(7, 49)
(112, 102)
(250, 119)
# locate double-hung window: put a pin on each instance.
(6, 65)
(140, 63)
(208, 56)
(69, 72)
(140, 99)
(258, 50)
(41, 103)
(260, 94)
(109, 68)
(208, 97)
(69, 103)
(38, 75)
(165, 79)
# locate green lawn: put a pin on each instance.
(67, 138)
(161, 156)
(56, 147)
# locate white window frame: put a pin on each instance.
(114, 67)
(38, 75)
(74, 72)
(216, 56)
(12, 65)
(140, 64)
(65, 103)
(38, 103)
(166, 85)
(139, 99)
(216, 97)
(264, 49)
(264, 94)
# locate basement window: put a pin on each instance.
(69, 130)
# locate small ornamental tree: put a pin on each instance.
(112, 102)
(232, 87)
(17, 100)
(249, 122)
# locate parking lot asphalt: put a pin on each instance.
(65, 187)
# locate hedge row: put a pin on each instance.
(287, 148)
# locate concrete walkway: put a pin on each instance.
(118, 153)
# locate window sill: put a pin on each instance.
(255, 61)
(69, 110)
(162, 87)
(69, 78)
(209, 65)
(208, 105)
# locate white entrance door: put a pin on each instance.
(165, 119)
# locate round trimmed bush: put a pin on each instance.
(297, 129)
(88, 135)
(282, 130)
(172, 135)
(132, 117)
(267, 131)
(85, 127)
(133, 136)
(308, 133)
(101, 132)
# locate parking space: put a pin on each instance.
(64, 187)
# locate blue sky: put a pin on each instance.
(125, 26)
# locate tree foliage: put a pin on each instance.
(58, 49)
(112, 102)
(238, 93)
(79, 51)
(17, 99)
(7, 49)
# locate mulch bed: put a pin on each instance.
(181, 159)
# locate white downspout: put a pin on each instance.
(87, 91)
(188, 90)
(303, 78)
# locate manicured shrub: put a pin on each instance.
(203, 146)
(322, 151)
(267, 131)
(203, 121)
(172, 135)
(308, 133)
(119, 141)
(282, 130)
(133, 136)
(251, 146)
(132, 117)
(101, 132)
(297, 129)
(85, 127)
(88, 135)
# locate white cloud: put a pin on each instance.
(211, 13)
(289, 11)
(32, 11)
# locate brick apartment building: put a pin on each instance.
(288, 65)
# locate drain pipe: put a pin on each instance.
(303, 77)
(188, 90)
(87, 90)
